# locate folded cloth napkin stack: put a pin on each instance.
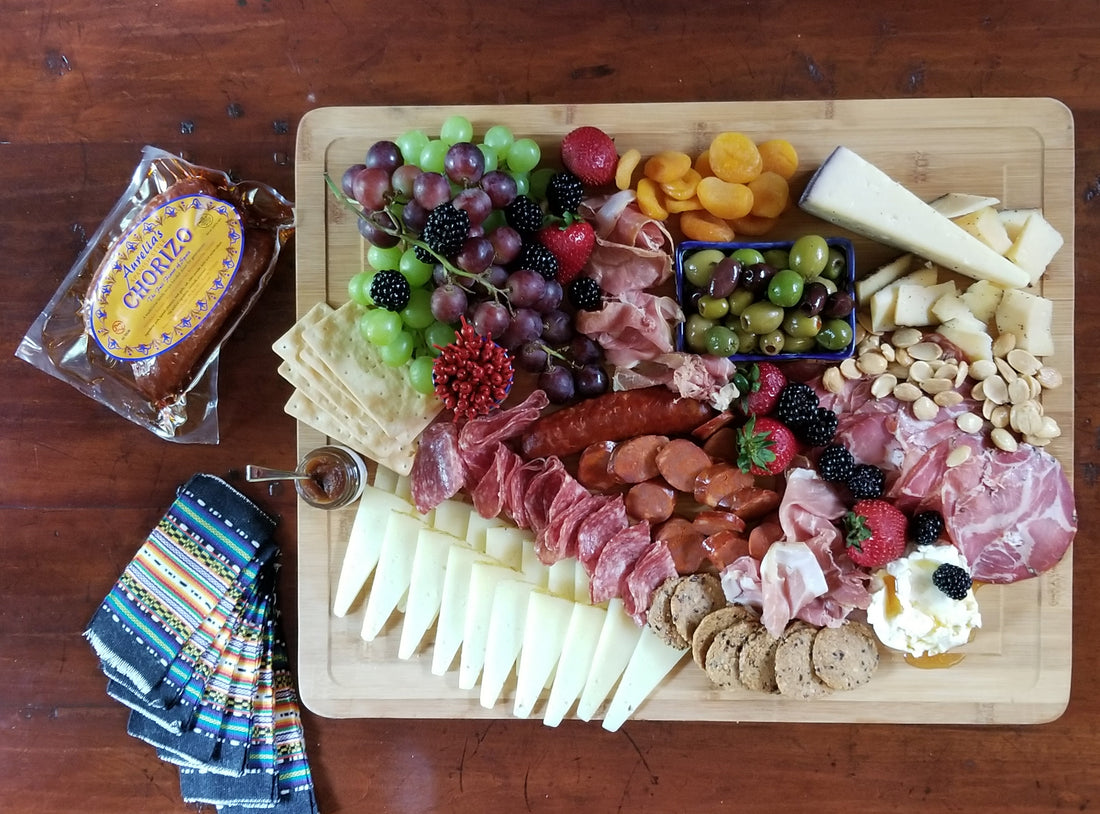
(189, 639)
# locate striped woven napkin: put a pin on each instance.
(189, 638)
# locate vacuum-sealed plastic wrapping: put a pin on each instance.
(139, 320)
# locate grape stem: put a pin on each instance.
(407, 236)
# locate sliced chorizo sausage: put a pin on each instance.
(762, 537)
(684, 542)
(753, 502)
(712, 521)
(706, 430)
(680, 461)
(724, 547)
(635, 460)
(593, 467)
(715, 484)
(722, 446)
(652, 500)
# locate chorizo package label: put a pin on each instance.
(166, 276)
(140, 319)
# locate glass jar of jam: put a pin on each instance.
(337, 476)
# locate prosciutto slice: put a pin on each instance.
(616, 560)
(438, 471)
(632, 326)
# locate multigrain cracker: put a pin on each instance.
(794, 669)
(659, 615)
(756, 662)
(693, 599)
(845, 657)
(712, 623)
(722, 662)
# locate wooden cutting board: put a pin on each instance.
(1017, 668)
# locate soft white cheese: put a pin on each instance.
(911, 614)
(851, 192)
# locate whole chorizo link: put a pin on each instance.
(613, 416)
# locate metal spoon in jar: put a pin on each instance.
(260, 474)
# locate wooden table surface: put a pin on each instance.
(85, 85)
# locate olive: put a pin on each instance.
(741, 299)
(838, 305)
(801, 325)
(772, 342)
(747, 342)
(698, 266)
(835, 264)
(809, 255)
(725, 277)
(798, 344)
(693, 297)
(747, 257)
(712, 307)
(785, 288)
(755, 278)
(761, 318)
(836, 334)
(780, 258)
(830, 286)
(721, 341)
(814, 295)
(695, 332)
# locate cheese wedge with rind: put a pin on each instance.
(429, 570)
(364, 544)
(505, 640)
(543, 639)
(618, 638)
(452, 606)
(651, 661)
(393, 573)
(850, 192)
(585, 626)
(484, 579)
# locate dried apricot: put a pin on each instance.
(724, 199)
(754, 225)
(702, 225)
(770, 194)
(702, 164)
(734, 157)
(667, 166)
(624, 170)
(650, 199)
(683, 187)
(689, 205)
(778, 155)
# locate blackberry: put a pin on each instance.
(390, 290)
(536, 257)
(564, 192)
(524, 214)
(925, 528)
(585, 294)
(819, 430)
(444, 231)
(797, 404)
(835, 464)
(866, 481)
(952, 580)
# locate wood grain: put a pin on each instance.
(228, 83)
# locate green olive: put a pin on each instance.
(721, 341)
(836, 334)
(835, 265)
(780, 258)
(772, 342)
(739, 300)
(799, 344)
(748, 256)
(712, 307)
(698, 266)
(785, 288)
(761, 317)
(797, 324)
(747, 342)
(830, 286)
(695, 332)
(809, 255)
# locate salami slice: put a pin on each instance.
(616, 560)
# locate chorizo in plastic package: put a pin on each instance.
(139, 320)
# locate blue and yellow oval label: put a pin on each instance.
(166, 276)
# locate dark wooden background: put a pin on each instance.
(84, 85)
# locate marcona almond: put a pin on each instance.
(902, 357)
(961, 373)
(977, 392)
(968, 422)
(850, 370)
(1037, 440)
(1003, 439)
(998, 416)
(995, 389)
(948, 370)
(1007, 371)
(1025, 418)
(1023, 361)
(982, 369)
(887, 351)
(1049, 428)
(883, 385)
(898, 371)
(907, 391)
(906, 337)
(872, 363)
(1019, 392)
(937, 385)
(958, 455)
(833, 380)
(861, 332)
(925, 409)
(1003, 344)
(1034, 386)
(926, 351)
(948, 398)
(1049, 377)
(919, 371)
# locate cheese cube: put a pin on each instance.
(914, 302)
(1030, 318)
(957, 204)
(884, 301)
(982, 298)
(985, 225)
(1035, 246)
(882, 277)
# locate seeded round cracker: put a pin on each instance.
(659, 615)
(845, 657)
(756, 663)
(712, 623)
(693, 599)
(794, 668)
(722, 662)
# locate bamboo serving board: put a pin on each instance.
(1017, 668)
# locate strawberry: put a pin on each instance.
(765, 446)
(589, 153)
(765, 380)
(875, 532)
(571, 242)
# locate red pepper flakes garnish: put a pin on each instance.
(473, 374)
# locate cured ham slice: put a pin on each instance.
(632, 326)
(701, 377)
(650, 570)
(790, 579)
(616, 560)
(438, 471)
(618, 218)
